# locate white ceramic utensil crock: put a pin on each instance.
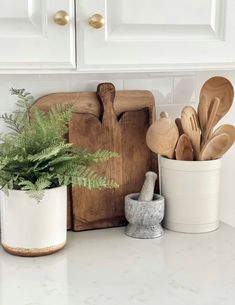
(191, 191)
(29, 228)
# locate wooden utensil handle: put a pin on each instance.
(212, 111)
(179, 125)
(106, 96)
(164, 114)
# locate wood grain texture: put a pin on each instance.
(109, 120)
(190, 124)
(92, 208)
(212, 112)
(162, 136)
(202, 111)
(179, 125)
(86, 102)
(221, 88)
(226, 128)
(216, 147)
(184, 149)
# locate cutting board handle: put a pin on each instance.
(106, 95)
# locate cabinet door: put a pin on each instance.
(29, 37)
(157, 35)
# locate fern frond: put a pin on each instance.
(27, 185)
(25, 99)
(35, 190)
(97, 182)
(62, 159)
(20, 117)
(103, 155)
(42, 183)
(49, 152)
(11, 121)
(36, 157)
(89, 158)
(36, 195)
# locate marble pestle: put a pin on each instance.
(147, 191)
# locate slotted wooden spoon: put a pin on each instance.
(202, 111)
(190, 124)
(211, 119)
(221, 88)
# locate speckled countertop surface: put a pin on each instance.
(105, 267)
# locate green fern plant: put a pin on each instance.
(34, 156)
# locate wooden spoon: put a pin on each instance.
(179, 125)
(202, 111)
(184, 149)
(217, 87)
(162, 136)
(226, 128)
(189, 120)
(216, 147)
(212, 112)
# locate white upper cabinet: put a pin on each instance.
(136, 35)
(156, 35)
(29, 37)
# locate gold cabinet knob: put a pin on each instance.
(96, 21)
(61, 18)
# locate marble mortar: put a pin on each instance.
(144, 217)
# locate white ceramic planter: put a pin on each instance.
(29, 228)
(191, 191)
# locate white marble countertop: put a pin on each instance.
(105, 267)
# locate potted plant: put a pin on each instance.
(36, 166)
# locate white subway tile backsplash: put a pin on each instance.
(91, 85)
(168, 91)
(4, 95)
(162, 88)
(3, 127)
(38, 87)
(171, 92)
(184, 90)
(174, 111)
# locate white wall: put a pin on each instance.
(172, 93)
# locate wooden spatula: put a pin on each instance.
(189, 120)
(216, 147)
(184, 149)
(202, 110)
(211, 119)
(162, 136)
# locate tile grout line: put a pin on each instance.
(173, 90)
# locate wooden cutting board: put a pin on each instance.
(117, 121)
